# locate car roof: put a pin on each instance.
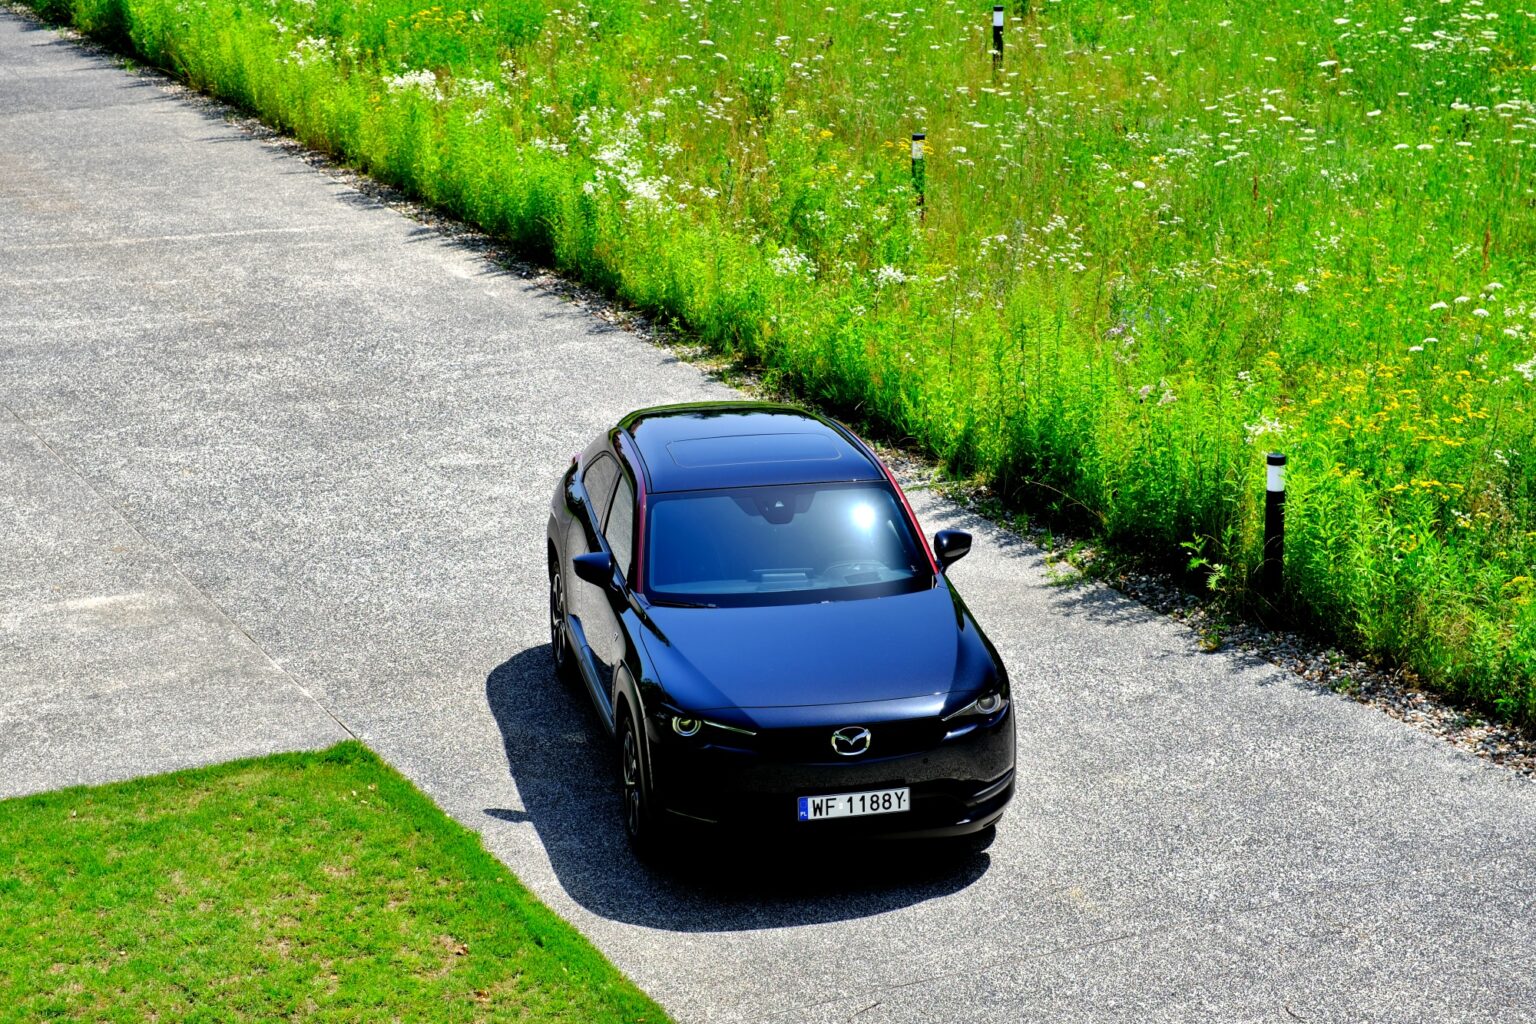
(743, 444)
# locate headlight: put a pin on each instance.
(985, 706)
(687, 725)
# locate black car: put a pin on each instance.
(746, 595)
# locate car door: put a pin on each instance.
(608, 642)
(587, 603)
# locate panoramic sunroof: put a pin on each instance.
(737, 449)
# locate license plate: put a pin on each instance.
(853, 805)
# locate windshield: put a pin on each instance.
(776, 545)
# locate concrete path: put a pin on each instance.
(274, 458)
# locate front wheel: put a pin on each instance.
(641, 820)
(559, 646)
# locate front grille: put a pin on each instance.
(887, 739)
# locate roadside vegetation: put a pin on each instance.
(1160, 240)
(298, 887)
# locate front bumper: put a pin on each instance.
(960, 783)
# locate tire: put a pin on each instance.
(559, 646)
(642, 824)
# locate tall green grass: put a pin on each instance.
(1167, 237)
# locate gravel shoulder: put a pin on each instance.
(339, 427)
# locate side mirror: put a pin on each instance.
(949, 546)
(596, 568)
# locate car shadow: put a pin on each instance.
(564, 766)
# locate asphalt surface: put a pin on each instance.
(274, 461)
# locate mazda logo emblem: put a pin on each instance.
(851, 740)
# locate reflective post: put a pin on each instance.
(919, 182)
(1273, 572)
(997, 38)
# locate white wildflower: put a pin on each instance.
(645, 188)
(311, 50)
(791, 262)
(424, 81)
(1266, 425)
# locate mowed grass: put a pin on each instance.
(1162, 239)
(298, 887)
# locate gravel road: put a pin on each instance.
(273, 465)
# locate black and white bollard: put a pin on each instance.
(1273, 572)
(997, 38)
(919, 182)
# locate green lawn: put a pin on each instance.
(302, 886)
(1162, 238)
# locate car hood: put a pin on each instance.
(836, 652)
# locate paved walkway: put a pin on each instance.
(273, 465)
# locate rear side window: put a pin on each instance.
(620, 528)
(598, 479)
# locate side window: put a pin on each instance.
(598, 479)
(620, 527)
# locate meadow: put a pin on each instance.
(1159, 240)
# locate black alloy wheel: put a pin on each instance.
(640, 821)
(559, 648)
